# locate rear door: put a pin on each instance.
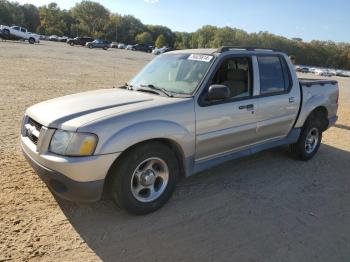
(15, 31)
(229, 125)
(279, 100)
(23, 32)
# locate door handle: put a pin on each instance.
(248, 107)
(291, 100)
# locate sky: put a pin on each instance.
(309, 20)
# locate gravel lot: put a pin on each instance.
(266, 207)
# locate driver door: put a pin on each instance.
(230, 125)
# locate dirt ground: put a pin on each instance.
(266, 207)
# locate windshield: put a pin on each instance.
(177, 73)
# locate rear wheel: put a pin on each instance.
(144, 179)
(309, 141)
(90, 46)
(105, 48)
(31, 41)
(71, 43)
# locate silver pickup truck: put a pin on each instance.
(185, 112)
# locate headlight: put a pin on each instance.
(73, 144)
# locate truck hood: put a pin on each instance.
(90, 105)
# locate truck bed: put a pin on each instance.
(311, 82)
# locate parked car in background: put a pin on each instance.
(53, 38)
(142, 47)
(158, 51)
(323, 72)
(185, 112)
(342, 73)
(43, 37)
(114, 45)
(18, 33)
(121, 46)
(312, 70)
(63, 39)
(302, 69)
(79, 41)
(129, 47)
(99, 43)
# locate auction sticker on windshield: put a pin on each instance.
(203, 58)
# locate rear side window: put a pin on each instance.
(23, 30)
(274, 76)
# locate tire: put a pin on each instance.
(71, 44)
(145, 167)
(90, 46)
(309, 141)
(6, 33)
(31, 41)
(105, 48)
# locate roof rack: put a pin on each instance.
(248, 48)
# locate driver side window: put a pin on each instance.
(236, 74)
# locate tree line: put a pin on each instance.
(89, 18)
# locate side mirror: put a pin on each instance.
(218, 92)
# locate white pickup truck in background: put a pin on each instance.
(18, 33)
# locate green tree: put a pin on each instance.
(92, 19)
(31, 17)
(161, 41)
(128, 28)
(113, 28)
(144, 38)
(157, 30)
(92, 16)
(51, 21)
(206, 36)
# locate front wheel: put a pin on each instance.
(144, 178)
(309, 141)
(90, 46)
(6, 32)
(31, 41)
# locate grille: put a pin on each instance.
(37, 126)
(32, 122)
(32, 138)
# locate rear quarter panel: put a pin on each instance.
(318, 95)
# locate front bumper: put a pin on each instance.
(65, 187)
(79, 179)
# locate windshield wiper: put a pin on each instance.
(127, 86)
(163, 90)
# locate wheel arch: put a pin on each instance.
(171, 144)
(320, 113)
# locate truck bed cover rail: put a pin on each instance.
(311, 82)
